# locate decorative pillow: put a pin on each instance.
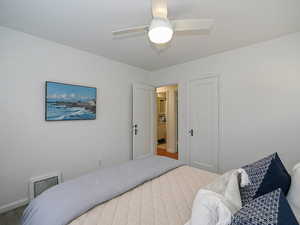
(268, 209)
(266, 175)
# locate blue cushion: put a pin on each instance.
(266, 175)
(268, 209)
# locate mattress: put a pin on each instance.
(166, 200)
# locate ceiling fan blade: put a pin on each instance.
(159, 8)
(193, 24)
(130, 30)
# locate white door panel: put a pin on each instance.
(204, 123)
(143, 120)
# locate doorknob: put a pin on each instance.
(191, 132)
(135, 129)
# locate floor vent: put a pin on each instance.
(40, 184)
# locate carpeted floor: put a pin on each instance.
(12, 217)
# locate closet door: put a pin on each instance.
(203, 119)
(143, 120)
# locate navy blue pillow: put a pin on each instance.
(266, 175)
(268, 209)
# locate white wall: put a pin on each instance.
(29, 146)
(260, 96)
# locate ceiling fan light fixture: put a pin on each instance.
(160, 31)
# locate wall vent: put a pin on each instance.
(40, 184)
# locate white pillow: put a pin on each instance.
(210, 208)
(293, 196)
(228, 186)
(296, 211)
(217, 202)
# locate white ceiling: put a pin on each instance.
(87, 25)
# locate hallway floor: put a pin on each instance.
(163, 152)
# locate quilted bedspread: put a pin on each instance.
(166, 200)
(65, 202)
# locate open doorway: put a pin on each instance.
(167, 121)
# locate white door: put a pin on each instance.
(143, 120)
(204, 123)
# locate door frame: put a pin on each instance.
(155, 120)
(152, 122)
(187, 112)
(183, 114)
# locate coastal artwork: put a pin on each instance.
(70, 102)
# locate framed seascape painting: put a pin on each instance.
(70, 102)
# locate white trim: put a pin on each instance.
(220, 123)
(13, 205)
(180, 122)
(154, 124)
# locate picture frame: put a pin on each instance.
(67, 102)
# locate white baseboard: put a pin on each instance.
(13, 205)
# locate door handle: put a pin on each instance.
(135, 129)
(191, 132)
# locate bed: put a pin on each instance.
(150, 191)
(166, 200)
(161, 191)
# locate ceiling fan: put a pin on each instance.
(161, 29)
